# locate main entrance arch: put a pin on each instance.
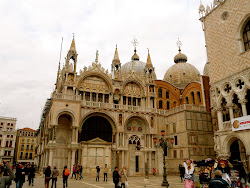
(96, 126)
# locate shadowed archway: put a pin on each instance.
(96, 126)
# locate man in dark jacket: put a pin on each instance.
(116, 177)
(218, 182)
(6, 180)
(20, 176)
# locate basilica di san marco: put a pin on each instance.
(95, 117)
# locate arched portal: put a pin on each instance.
(96, 126)
(238, 154)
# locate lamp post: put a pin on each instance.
(163, 144)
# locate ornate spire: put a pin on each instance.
(96, 56)
(180, 57)
(149, 62)
(116, 56)
(179, 44)
(73, 45)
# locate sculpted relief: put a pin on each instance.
(94, 83)
(132, 88)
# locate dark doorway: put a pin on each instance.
(137, 163)
(96, 126)
(235, 152)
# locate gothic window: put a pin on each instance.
(187, 101)
(167, 94)
(100, 97)
(246, 36)
(237, 109)
(93, 96)
(168, 105)
(160, 93)
(87, 96)
(106, 100)
(192, 95)
(134, 101)
(124, 100)
(139, 102)
(129, 101)
(160, 104)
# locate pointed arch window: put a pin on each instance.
(199, 96)
(187, 101)
(246, 36)
(167, 94)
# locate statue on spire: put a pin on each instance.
(97, 55)
(135, 42)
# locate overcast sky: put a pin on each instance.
(31, 32)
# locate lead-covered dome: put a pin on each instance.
(134, 66)
(182, 73)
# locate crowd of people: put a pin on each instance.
(213, 174)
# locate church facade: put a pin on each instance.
(227, 33)
(95, 117)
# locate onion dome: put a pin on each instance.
(182, 73)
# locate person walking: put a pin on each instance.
(20, 176)
(123, 177)
(31, 174)
(5, 180)
(116, 177)
(54, 175)
(80, 172)
(97, 173)
(182, 172)
(47, 176)
(217, 181)
(66, 174)
(73, 171)
(154, 171)
(105, 173)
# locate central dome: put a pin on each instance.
(133, 66)
(182, 73)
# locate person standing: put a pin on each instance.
(189, 170)
(123, 177)
(105, 172)
(65, 176)
(5, 180)
(116, 177)
(47, 176)
(182, 172)
(55, 173)
(217, 181)
(97, 173)
(20, 176)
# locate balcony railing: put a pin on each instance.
(104, 105)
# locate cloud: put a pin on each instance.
(31, 37)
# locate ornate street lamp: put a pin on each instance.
(163, 144)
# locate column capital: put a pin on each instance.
(243, 101)
(219, 109)
(230, 105)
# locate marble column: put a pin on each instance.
(51, 157)
(220, 118)
(150, 161)
(243, 106)
(73, 158)
(231, 112)
(69, 159)
(117, 139)
(123, 159)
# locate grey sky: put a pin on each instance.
(31, 34)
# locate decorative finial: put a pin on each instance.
(135, 42)
(73, 35)
(179, 44)
(96, 58)
(148, 50)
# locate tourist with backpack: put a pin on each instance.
(74, 171)
(66, 174)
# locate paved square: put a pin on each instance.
(89, 182)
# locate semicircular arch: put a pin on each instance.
(66, 112)
(101, 114)
(141, 118)
(99, 75)
(127, 81)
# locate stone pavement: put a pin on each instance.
(89, 182)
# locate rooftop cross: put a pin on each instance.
(73, 35)
(179, 44)
(135, 42)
